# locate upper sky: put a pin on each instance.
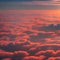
(27, 0)
(29, 4)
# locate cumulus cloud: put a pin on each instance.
(36, 38)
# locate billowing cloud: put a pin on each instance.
(29, 34)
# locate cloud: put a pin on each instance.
(34, 38)
(32, 4)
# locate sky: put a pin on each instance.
(30, 29)
(30, 4)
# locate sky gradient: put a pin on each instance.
(30, 4)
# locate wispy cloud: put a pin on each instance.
(30, 4)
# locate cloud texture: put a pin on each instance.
(29, 36)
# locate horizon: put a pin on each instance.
(31, 4)
(29, 29)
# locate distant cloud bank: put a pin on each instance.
(30, 4)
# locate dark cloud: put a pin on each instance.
(28, 4)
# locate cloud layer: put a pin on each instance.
(29, 35)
